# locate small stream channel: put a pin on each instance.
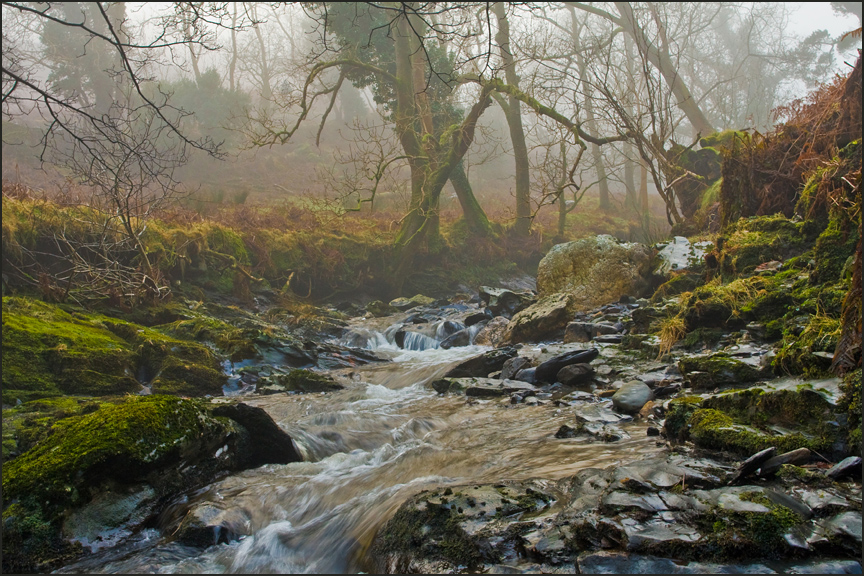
(367, 448)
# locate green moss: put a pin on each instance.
(433, 533)
(753, 241)
(733, 534)
(717, 369)
(48, 352)
(714, 429)
(676, 285)
(833, 248)
(32, 542)
(702, 337)
(850, 402)
(130, 437)
(27, 424)
(678, 416)
(799, 351)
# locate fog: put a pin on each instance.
(263, 103)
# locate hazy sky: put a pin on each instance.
(812, 16)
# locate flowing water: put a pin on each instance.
(366, 449)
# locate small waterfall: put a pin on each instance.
(474, 330)
(447, 328)
(417, 341)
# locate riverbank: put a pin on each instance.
(387, 401)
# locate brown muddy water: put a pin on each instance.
(367, 448)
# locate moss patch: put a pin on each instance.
(50, 351)
(717, 430)
(127, 438)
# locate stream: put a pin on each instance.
(367, 448)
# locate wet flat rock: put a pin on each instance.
(633, 518)
(458, 528)
(480, 387)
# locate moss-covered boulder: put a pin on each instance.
(30, 422)
(49, 351)
(707, 372)
(759, 239)
(747, 421)
(132, 447)
(594, 271)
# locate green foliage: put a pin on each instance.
(850, 402)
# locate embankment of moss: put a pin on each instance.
(52, 351)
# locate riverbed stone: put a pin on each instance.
(207, 524)
(575, 374)
(631, 397)
(413, 302)
(548, 370)
(540, 320)
(457, 339)
(480, 387)
(483, 364)
(505, 302)
(492, 334)
(299, 380)
(585, 331)
(513, 366)
(850, 466)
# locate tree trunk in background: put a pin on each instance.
(473, 213)
(643, 187)
(513, 113)
(602, 180)
(663, 62)
(630, 178)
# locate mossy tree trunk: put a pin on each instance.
(473, 213)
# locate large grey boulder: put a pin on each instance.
(631, 397)
(594, 271)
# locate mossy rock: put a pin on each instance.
(49, 351)
(428, 532)
(678, 284)
(759, 239)
(850, 402)
(377, 309)
(27, 424)
(707, 372)
(678, 416)
(236, 343)
(710, 428)
(808, 347)
(758, 530)
(804, 409)
(127, 439)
